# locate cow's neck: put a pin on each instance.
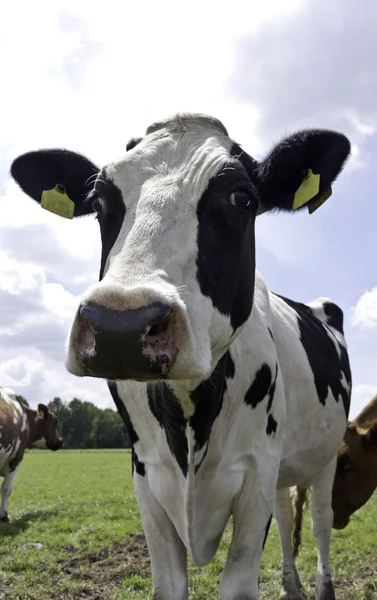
(34, 424)
(187, 416)
(368, 415)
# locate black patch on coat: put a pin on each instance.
(226, 244)
(270, 332)
(271, 425)
(260, 386)
(319, 344)
(169, 413)
(271, 391)
(111, 218)
(208, 399)
(136, 464)
(268, 525)
(334, 316)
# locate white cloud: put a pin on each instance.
(364, 314)
(89, 79)
(40, 379)
(313, 66)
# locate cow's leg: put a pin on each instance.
(284, 516)
(6, 490)
(252, 511)
(166, 551)
(322, 520)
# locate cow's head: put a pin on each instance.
(44, 430)
(176, 215)
(356, 472)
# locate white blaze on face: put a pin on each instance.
(154, 257)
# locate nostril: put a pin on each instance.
(86, 341)
(158, 328)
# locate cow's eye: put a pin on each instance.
(98, 204)
(240, 199)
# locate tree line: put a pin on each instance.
(84, 425)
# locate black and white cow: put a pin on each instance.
(229, 391)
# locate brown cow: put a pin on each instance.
(20, 426)
(356, 472)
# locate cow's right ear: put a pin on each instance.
(43, 411)
(58, 179)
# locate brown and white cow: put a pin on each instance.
(20, 426)
(356, 472)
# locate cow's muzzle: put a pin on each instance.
(137, 343)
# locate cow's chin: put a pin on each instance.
(340, 523)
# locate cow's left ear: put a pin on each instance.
(300, 170)
(43, 411)
(58, 179)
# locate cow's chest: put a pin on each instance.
(195, 478)
(199, 501)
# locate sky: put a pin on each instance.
(89, 76)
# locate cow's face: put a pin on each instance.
(176, 215)
(47, 427)
(356, 473)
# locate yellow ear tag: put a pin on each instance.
(312, 206)
(307, 190)
(57, 201)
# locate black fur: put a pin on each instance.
(208, 399)
(226, 246)
(42, 170)
(271, 425)
(260, 387)
(334, 316)
(168, 412)
(111, 218)
(280, 174)
(318, 343)
(271, 391)
(136, 464)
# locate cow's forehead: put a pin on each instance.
(182, 122)
(189, 148)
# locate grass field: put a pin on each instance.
(75, 533)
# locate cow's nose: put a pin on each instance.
(135, 343)
(58, 445)
(340, 523)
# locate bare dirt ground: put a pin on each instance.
(100, 573)
(97, 576)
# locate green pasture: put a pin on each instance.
(75, 533)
